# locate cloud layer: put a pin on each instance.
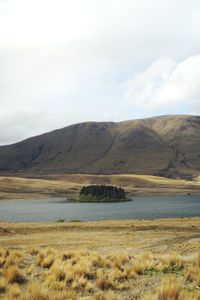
(64, 62)
(165, 86)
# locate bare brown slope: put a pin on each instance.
(167, 146)
(182, 133)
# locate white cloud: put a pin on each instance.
(42, 22)
(66, 60)
(165, 85)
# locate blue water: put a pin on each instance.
(146, 207)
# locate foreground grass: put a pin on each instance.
(131, 259)
(52, 274)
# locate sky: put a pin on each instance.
(69, 61)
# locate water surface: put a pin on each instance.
(145, 207)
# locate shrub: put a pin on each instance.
(60, 220)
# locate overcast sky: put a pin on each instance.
(68, 61)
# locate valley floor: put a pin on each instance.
(46, 186)
(131, 259)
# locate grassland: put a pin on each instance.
(154, 259)
(37, 187)
(102, 260)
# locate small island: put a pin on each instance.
(101, 193)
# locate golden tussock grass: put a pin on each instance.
(15, 292)
(55, 275)
(197, 262)
(33, 251)
(169, 289)
(139, 267)
(192, 275)
(116, 260)
(45, 258)
(103, 281)
(3, 285)
(13, 275)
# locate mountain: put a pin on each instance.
(165, 145)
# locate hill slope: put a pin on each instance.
(167, 146)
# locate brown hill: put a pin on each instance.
(166, 145)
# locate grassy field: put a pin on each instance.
(67, 185)
(155, 259)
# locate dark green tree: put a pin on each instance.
(101, 193)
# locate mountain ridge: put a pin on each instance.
(166, 145)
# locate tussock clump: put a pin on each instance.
(4, 253)
(197, 279)
(56, 273)
(172, 260)
(128, 273)
(89, 288)
(2, 261)
(15, 292)
(45, 259)
(36, 292)
(68, 255)
(39, 259)
(186, 295)
(170, 289)
(197, 260)
(10, 261)
(98, 261)
(139, 267)
(83, 268)
(109, 295)
(13, 275)
(13, 258)
(3, 284)
(103, 281)
(79, 283)
(122, 258)
(33, 251)
(48, 261)
(191, 274)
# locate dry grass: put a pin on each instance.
(169, 289)
(78, 277)
(45, 259)
(151, 260)
(13, 275)
(66, 185)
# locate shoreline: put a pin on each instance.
(73, 222)
(39, 197)
(98, 221)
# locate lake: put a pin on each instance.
(143, 207)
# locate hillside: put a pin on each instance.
(165, 146)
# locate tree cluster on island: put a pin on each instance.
(101, 193)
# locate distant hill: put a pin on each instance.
(166, 145)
